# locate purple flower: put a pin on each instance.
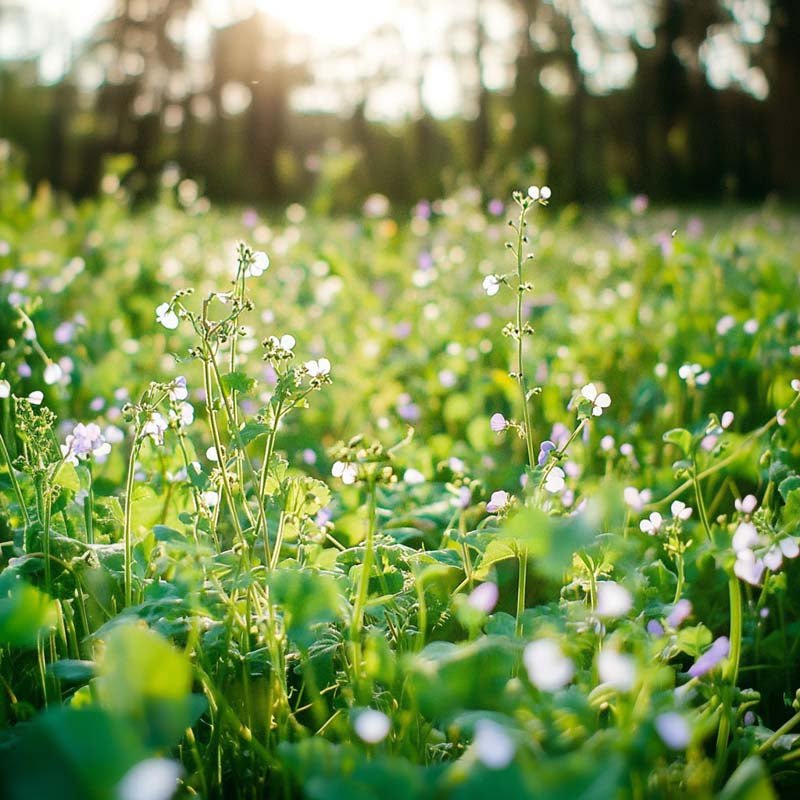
(682, 609)
(425, 260)
(544, 450)
(496, 207)
(402, 330)
(422, 209)
(717, 652)
(674, 730)
(655, 628)
(323, 517)
(309, 456)
(409, 411)
(484, 597)
(498, 501)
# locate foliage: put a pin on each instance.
(409, 548)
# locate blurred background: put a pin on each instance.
(271, 101)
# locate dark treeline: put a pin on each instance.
(668, 133)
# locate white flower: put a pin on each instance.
(183, 415)
(35, 398)
(484, 597)
(674, 730)
(635, 499)
(210, 498)
(607, 443)
(746, 537)
(498, 423)
(155, 427)
(616, 669)
(555, 480)
(748, 568)
(491, 285)
(5, 388)
(548, 668)
(52, 373)
(211, 454)
(498, 501)
(694, 374)
(536, 193)
(167, 317)
(789, 547)
(773, 558)
(795, 384)
(747, 505)
(493, 746)
(345, 470)
(151, 779)
(413, 476)
(613, 600)
(372, 726)
(599, 401)
(285, 344)
(318, 368)
(680, 510)
(726, 420)
(178, 390)
(652, 525)
(113, 434)
(259, 265)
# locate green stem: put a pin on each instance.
(269, 449)
(729, 459)
(731, 673)
(363, 585)
(88, 506)
(522, 584)
(701, 505)
(43, 506)
(14, 482)
(735, 594)
(784, 729)
(127, 532)
(681, 576)
(520, 335)
(212, 422)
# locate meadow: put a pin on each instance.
(492, 495)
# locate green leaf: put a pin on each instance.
(789, 485)
(164, 533)
(143, 677)
(750, 781)
(448, 678)
(250, 431)
(86, 752)
(497, 550)
(24, 613)
(238, 381)
(681, 438)
(550, 541)
(72, 670)
(308, 599)
(67, 477)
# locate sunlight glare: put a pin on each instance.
(336, 24)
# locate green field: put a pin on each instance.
(344, 561)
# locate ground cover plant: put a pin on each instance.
(487, 497)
